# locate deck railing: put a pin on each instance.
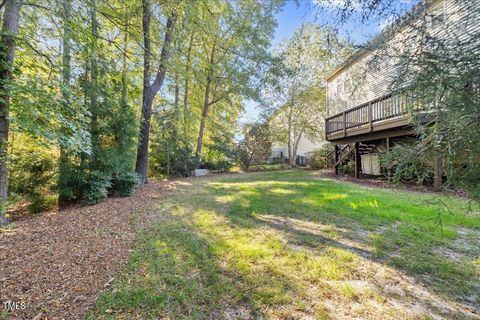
(367, 114)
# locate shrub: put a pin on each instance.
(32, 171)
(33, 175)
(42, 202)
(217, 166)
(71, 183)
(223, 166)
(96, 187)
(178, 162)
(318, 159)
(408, 165)
(279, 160)
(348, 167)
(125, 184)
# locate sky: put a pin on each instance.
(295, 13)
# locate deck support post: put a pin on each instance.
(336, 159)
(357, 161)
(438, 172)
(388, 150)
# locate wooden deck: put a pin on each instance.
(386, 115)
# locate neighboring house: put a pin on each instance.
(363, 115)
(280, 150)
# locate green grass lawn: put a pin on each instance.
(295, 245)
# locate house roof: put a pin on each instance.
(386, 33)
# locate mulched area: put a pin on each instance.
(57, 263)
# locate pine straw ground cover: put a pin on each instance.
(297, 245)
(57, 263)
(279, 245)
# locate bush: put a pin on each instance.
(317, 159)
(42, 202)
(33, 175)
(32, 171)
(96, 187)
(408, 165)
(71, 183)
(180, 163)
(278, 160)
(125, 184)
(218, 166)
(223, 166)
(348, 167)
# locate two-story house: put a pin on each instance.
(364, 113)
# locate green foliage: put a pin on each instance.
(41, 202)
(125, 184)
(220, 166)
(294, 92)
(33, 174)
(96, 187)
(347, 168)
(83, 102)
(408, 164)
(71, 182)
(256, 145)
(31, 170)
(443, 79)
(318, 159)
(172, 154)
(278, 160)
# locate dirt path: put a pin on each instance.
(57, 263)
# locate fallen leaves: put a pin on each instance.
(59, 262)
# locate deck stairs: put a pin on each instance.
(347, 152)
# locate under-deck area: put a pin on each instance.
(372, 127)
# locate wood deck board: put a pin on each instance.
(376, 127)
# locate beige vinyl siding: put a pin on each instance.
(370, 74)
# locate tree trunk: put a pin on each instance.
(150, 89)
(295, 147)
(206, 105)
(93, 94)
(290, 147)
(438, 172)
(176, 106)
(185, 95)
(124, 65)
(66, 75)
(11, 17)
(201, 132)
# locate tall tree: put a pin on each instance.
(294, 91)
(150, 89)
(93, 85)
(11, 18)
(66, 77)
(234, 48)
(206, 101)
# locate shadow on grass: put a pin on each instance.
(402, 226)
(173, 273)
(269, 244)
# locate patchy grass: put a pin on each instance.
(292, 244)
